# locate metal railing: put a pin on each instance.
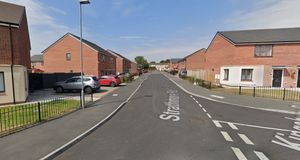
(20, 116)
(291, 94)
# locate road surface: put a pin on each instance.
(162, 122)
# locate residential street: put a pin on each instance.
(162, 122)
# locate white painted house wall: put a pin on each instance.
(235, 73)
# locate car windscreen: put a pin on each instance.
(95, 78)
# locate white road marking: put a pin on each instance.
(246, 139)
(191, 96)
(223, 102)
(281, 134)
(81, 136)
(255, 126)
(226, 136)
(115, 95)
(197, 102)
(204, 109)
(215, 96)
(261, 155)
(208, 115)
(200, 105)
(233, 126)
(239, 154)
(217, 124)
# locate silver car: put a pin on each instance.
(90, 84)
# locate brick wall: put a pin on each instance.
(221, 52)
(21, 44)
(119, 64)
(196, 61)
(108, 66)
(55, 57)
(133, 68)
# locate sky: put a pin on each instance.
(155, 29)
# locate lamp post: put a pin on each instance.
(81, 2)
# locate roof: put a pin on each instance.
(175, 60)
(11, 13)
(89, 43)
(263, 36)
(117, 54)
(202, 49)
(37, 58)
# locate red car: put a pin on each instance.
(109, 81)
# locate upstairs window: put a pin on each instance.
(226, 74)
(2, 83)
(263, 50)
(247, 74)
(68, 56)
(103, 58)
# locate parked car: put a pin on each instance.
(90, 84)
(110, 81)
(182, 73)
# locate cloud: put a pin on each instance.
(43, 28)
(267, 14)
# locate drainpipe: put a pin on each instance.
(12, 64)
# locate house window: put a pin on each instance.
(112, 60)
(247, 74)
(263, 50)
(68, 56)
(226, 74)
(2, 83)
(103, 58)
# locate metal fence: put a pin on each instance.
(15, 117)
(291, 94)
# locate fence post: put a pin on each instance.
(253, 91)
(283, 93)
(240, 90)
(39, 111)
(209, 85)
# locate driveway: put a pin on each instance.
(40, 95)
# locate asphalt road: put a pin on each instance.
(162, 122)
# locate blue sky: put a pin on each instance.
(155, 29)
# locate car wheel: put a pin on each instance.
(59, 89)
(88, 90)
(112, 84)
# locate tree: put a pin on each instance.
(165, 61)
(141, 62)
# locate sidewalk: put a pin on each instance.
(244, 101)
(38, 141)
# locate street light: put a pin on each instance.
(81, 2)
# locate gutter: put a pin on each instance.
(12, 64)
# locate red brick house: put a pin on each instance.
(63, 56)
(37, 63)
(15, 53)
(195, 65)
(267, 57)
(133, 68)
(123, 64)
(174, 64)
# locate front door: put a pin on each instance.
(298, 84)
(277, 78)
